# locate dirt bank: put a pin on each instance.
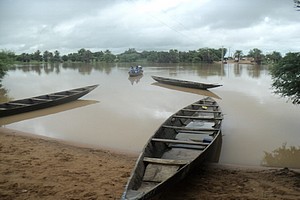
(39, 168)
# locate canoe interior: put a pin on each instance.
(183, 142)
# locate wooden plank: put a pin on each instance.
(207, 105)
(206, 100)
(198, 118)
(39, 99)
(57, 95)
(203, 111)
(186, 146)
(18, 104)
(179, 141)
(165, 161)
(190, 128)
(197, 132)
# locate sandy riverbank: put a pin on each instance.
(39, 168)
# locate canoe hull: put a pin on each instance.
(43, 101)
(182, 83)
(136, 188)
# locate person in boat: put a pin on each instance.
(132, 69)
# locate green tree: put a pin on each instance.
(286, 77)
(98, 56)
(47, 56)
(131, 55)
(238, 54)
(6, 59)
(174, 56)
(24, 57)
(65, 58)
(56, 57)
(257, 55)
(85, 55)
(274, 57)
(108, 56)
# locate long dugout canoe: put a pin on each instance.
(182, 143)
(43, 101)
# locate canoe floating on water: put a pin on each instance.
(183, 83)
(184, 141)
(135, 71)
(43, 101)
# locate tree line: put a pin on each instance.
(202, 55)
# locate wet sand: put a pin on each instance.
(42, 168)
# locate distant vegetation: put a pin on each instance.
(202, 55)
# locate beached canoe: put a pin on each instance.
(182, 143)
(183, 83)
(43, 101)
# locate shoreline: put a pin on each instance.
(38, 167)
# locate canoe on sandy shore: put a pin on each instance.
(43, 101)
(183, 83)
(184, 141)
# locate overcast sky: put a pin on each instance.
(117, 25)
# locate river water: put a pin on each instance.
(259, 127)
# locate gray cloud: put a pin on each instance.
(67, 26)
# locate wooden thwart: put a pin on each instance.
(190, 128)
(198, 118)
(57, 95)
(179, 141)
(39, 99)
(18, 104)
(202, 111)
(187, 146)
(207, 105)
(165, 161)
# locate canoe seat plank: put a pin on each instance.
(198, 118)
(18, 104)
(190, 128)
(207, 105)
(179, 141)
(165, 161)
(196, 132)
(187, 146)
(39, 99)
(57, 95)
(202, 111)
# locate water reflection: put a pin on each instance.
(283, 157)
(135, 79)
(46, 111)
(50, 68)
(3, 95)
(207, 93)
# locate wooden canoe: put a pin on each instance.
(43, 101)
(184, 141)
(183, 83)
